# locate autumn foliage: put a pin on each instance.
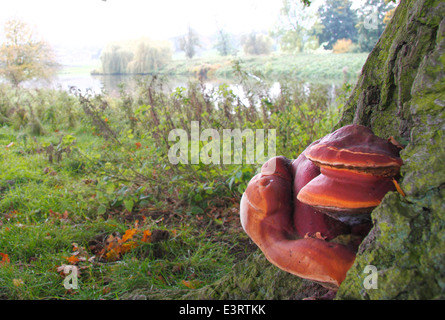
(342, 46)
(117, 245)
(5, 259)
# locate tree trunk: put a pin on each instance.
(400, 93)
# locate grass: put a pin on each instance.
(93, 188)
(48, 206)
(82, 70)
(38, 240)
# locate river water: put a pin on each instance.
(110, 84)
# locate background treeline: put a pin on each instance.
(332, 27)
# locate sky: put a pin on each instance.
(75, 22)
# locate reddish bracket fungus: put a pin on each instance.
(298, 237)
(357, 170)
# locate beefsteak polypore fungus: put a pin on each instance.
(357, 170)
(298, 237)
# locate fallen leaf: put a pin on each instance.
(393, 141)
(73, 259)
(113, 254)
(5, 259)
(399, 189)
(128, 234)
(188, 284)
(17, 282)
(191, 284)
(146, 237)
(125, 247)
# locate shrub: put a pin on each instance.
(342, 46)
(256, 44)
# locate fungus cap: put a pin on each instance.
(356, 147)
(345, 195)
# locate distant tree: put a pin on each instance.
(115, 59)
(150, 56)
(339, 20)
(224, 44)
(373, 16)
(256, 44)
(135, 56)
(23, 56)
(189, 43)
(293, 25)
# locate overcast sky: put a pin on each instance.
(97, 21)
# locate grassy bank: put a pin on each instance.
(309, 67)
(86, 182)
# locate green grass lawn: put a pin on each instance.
(50, 212)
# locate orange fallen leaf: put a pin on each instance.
(191, 284)
(393, 141)
(73, 259)
(188, 284)
(5, 259)
(113, 254)
(146, 237)
(399, 189)
(128, 246)
(128, 234)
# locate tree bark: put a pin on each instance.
(401, 93)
